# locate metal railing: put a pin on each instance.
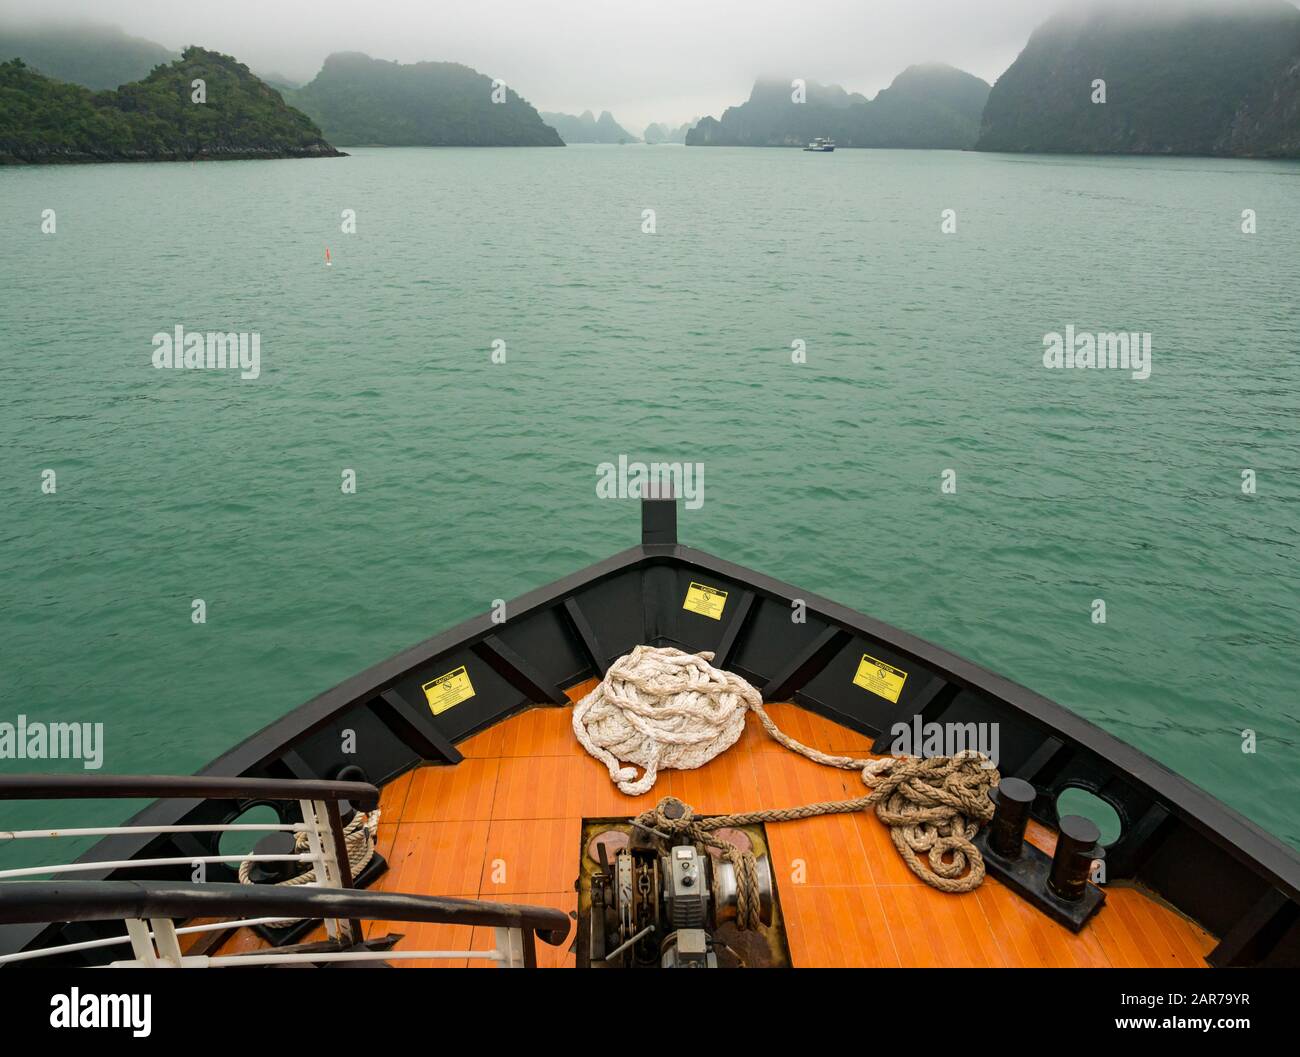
(318, 801)
(149, 909)
(149, 912)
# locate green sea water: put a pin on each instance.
(476, 480)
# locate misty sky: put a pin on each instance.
(645, 60)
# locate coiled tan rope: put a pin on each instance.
(358, 836)
(661, 707)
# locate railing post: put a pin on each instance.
(141, 943)
(169, 947)
(339, 841)
(515, 948)
(321, 864)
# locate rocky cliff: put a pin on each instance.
(1191, 77)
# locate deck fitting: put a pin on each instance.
(1027, 876)
(659, 520)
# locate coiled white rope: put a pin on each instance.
(661, 707)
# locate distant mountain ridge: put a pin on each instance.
(586, 128)
(1197, 78)
(661, 133)
(358, 100)
(279, 81)
(90, 54)
(43, 120)
(926, 106)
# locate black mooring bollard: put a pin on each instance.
(1014, 798)
(1076, 847)
(350, 773)
(270, 873)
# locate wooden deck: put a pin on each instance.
(504, 825)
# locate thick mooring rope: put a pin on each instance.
(358, 836)
(661, 707)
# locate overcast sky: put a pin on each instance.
(644, 60)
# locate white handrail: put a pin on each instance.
(119, 864)
(116, 831)
(113, 941)
(234, 960)
(159, 948)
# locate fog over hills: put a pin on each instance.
(586, 128)
(1182, 76)
(664, 64)
(927, 105)
(90, 54)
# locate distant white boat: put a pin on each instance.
(821, 145)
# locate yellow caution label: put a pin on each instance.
(707, 601)
(883, 680)
(448, 690)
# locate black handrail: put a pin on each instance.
(164, 786)
(25, 902)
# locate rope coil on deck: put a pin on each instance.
(661, 707)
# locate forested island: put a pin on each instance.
(360, 101)
(159, 118)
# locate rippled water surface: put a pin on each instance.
(477, 481)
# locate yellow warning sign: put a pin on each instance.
(707, 601)
(883, 680)
(448, 690)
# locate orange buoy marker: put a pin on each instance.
(328, 262)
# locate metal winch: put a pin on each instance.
(661, 901)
